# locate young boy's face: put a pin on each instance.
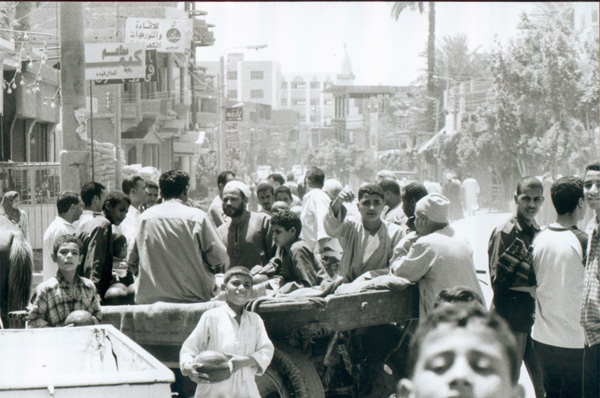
(67, 257)
(281, 237)
(238, 289)
(461, 362)
(283, 197)
(117, 214)
(591, 189)
(529, 202)
(266, 199)
(370, 207)
(151, 196)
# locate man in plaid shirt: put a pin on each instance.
(59, 296)
(512, 283)
(590, 309)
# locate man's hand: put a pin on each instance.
(190, 371)
(346, 195)
(239, 361)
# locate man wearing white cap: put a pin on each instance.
(439, 259)
(177, 249)
(246, 234)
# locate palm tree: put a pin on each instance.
(397, 9)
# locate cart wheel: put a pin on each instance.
(291, 374)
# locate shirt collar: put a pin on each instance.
(522, 225)
(62, 220)
(133, 210)
(62, 281)
(243, 218)
(231, 312)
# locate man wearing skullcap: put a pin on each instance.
(439, 259)
(247, 235)
(177, 249)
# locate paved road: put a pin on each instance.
(478, 229)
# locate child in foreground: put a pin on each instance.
(461, 350)
(55, 299)
(235, 332)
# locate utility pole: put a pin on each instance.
(74, 159)
(119, 165)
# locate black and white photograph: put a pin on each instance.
(299, 199)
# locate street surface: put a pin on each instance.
(478, 229)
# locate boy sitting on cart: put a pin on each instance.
(294, 264)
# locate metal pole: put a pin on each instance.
(92, 128)
(75, 159)
(437, 116)
(118, 166)
(220, 126)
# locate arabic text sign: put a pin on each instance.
(234, 114)
(163, 35)
(151, 72)
(115, 61)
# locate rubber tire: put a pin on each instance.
(291, 374)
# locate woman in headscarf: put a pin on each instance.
(9, 208)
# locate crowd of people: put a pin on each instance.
(130, 246)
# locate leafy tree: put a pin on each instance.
(207, 168)
(339, 161)
(542, 109)
(398, 8)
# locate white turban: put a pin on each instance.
(239, 185)
(435, 207)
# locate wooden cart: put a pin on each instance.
(342, 345)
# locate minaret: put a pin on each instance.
(345, 77)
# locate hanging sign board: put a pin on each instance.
(234, 114)
(162, 35)
(115, 61)
(151, 72)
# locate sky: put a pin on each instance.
(309, 37)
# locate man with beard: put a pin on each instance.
(246, 234)
(177, 249)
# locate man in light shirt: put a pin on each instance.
(215, 210)
(134, 187)
(559, 264)
(177, 251)
(315, 205)
(69, 206)
(93, 195)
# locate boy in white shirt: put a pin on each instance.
(558, 261)
(235, 332)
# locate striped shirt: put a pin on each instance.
(590, 308)
(54, 299)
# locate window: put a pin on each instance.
(315, 85)
(231, 93)
(256, 94)
(284, 101)
(232, 75)
(329, 102)
(299, 85)
(257, 75)
(284, 85)
(314, 102)
(300, 102)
